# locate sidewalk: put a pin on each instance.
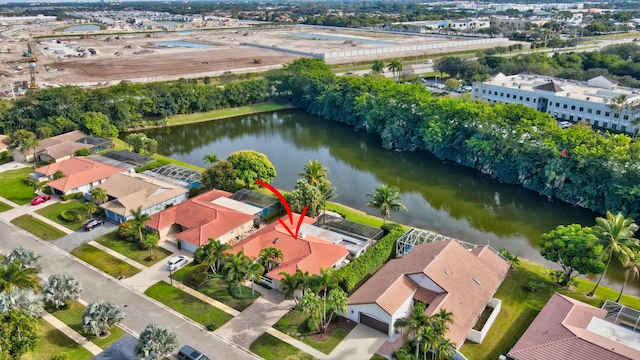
(72, 334)
(29, 209)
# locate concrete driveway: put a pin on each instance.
(77, 238)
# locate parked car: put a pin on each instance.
(188, 353)
(565, 124)
(91, 224)
(40, 199)
(177, 262)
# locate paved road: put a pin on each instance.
(140, 310)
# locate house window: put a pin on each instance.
(605, 124)
(589, 111)
(614, 126)
(579, 118)
(623, 128)
(508, 96)
(598, 112)
(557, 104)
(607, 113)
(501, 94)
(485, 91)
(616, 115)
(534, 101)
(571, 117)
(573, 107)
(520, 98)
(528, 99)
(564, 106)
(595, 123)
(626, 117)
(581, 109)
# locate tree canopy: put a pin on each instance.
(251, 165)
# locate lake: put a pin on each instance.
(181, 44)
(82, 28)
(440, 196)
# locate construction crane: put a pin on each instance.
(31, 46)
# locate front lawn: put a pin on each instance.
(52, 212)
(72, 316)
(52, 341)
(187, 305)
(294, 324)
(103, 261)
(38, 228)
(520, 307)
(13, 188)
(270, 347)
(4, 207)
(131, 249)
(217, 288)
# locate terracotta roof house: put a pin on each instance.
(442, 274)
(307, 252)
(61, 147)
(129, 191)
(569, 329)
(209, 215)
(80, 175)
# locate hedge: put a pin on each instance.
(353, 273)
(70, 216)
(153, 165)
(75, 195)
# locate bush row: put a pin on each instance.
(75, 195)
(70, 216)
(353, 273)
(153, 165)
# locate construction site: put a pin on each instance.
(98, 60)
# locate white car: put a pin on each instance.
(565, 124)
(177, 262)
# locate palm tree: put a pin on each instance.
(28, 144)
(314, 172)
(22, 299)
(237, 268)
(61, 288)
(99, 195)
(615, 235)
(327, 192)
(444, 349)
(395, 66)
(139, 220)
(632, 270)
(156, 342)
(270, 256)
(289, 284)
(338, 300)
(26, 257)
(90, 208)
(212, 253)
(312, 305)
(377, 67)
(14, 275)
(387, 199)
(210, 159)
(254, 271)
(150, 241)
(326, 281)
(100, 316)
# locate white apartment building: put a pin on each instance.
(595, 101)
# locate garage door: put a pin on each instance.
(374, 323)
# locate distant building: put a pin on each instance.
(591, 101)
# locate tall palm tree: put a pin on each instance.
(14, 275)
(22, 299)
(338, 300)
(99, 195)
(289, 284)
(395, 66)
(212, 253)
(61, 288)
(138, 220)
(632, 270)
(210, 159)
(156, 342)
(26, 257)
(90, 208)
(100, 316)
(377, 67)
(314, 172)
(386, 198)
(237, 268)
(327, 192)
(444, 349)
(270, 256)
(28, 144)
(254, 271)
(615, 235)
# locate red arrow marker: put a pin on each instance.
(287, 208)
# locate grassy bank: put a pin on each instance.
(226, 113)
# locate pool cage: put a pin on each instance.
(415, 237)
(192, 177)
(129, 157)
(622, 315)
(267, 203)
(350, 228)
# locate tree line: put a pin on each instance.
(511, 143)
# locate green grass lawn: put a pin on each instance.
(357, 215)
(13, 188)
(520, 307)
(38, 228)
(72, 316)
(4, 207)
(218, 289)
(52, 341)
(131, 249)
(225, 113)
(52, 212)
(103, 261)
(187, 305)
(295, 322)
(270, 347)
(177, 162)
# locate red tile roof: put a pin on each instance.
(308, 254)
(468, 281)
(200, 218)
(78, 171)
(560, 332)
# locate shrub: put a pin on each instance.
(153, 165)
(198, 275)
(46, 190)
(353, 273)
(61, 356)
(75, 195)
(212, 327)
(70, 216)
(126, 232)
(535, 287)
(388, 227)
(311, 325)
(82, 152)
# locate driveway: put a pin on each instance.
(77, 238)
(141, 311)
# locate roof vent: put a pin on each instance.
(447, 272)
(275, 241)
(302, 235)
(476, 280)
